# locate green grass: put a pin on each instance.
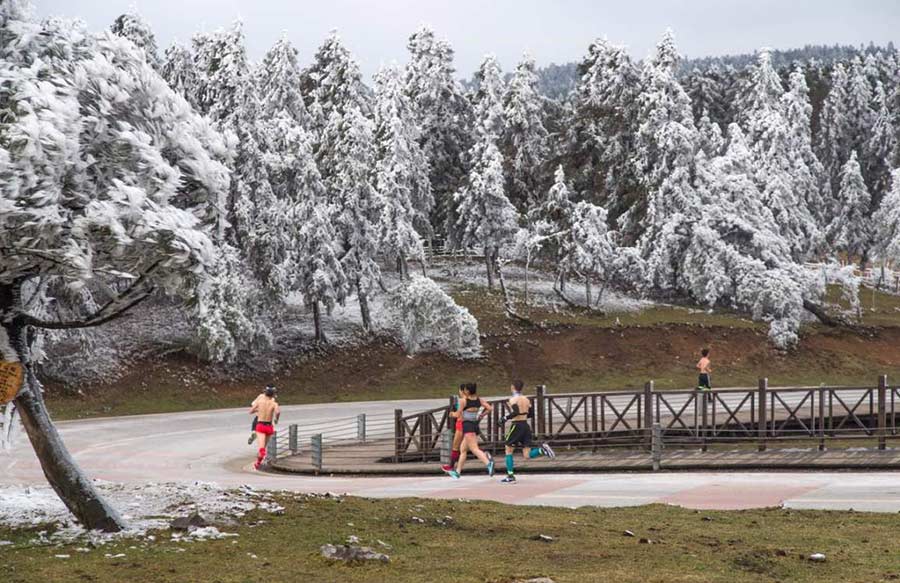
(492, 542)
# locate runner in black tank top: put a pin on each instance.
(472, 410)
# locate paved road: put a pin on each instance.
(211, 446)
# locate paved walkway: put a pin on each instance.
(211, 446)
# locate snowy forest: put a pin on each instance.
(133, 172)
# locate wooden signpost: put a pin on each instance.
(11, 376)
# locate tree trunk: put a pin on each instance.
(403, 268)
(65, 476)
(317, 321)
(527, 265)
(823, 316)
(587, 292)
(488, 262)
(363, 307)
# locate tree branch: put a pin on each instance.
(94, 320)
(823, 316)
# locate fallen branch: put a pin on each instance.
(823, 316)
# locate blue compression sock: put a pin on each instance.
(509, 464)
(535, 452)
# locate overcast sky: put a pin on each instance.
(552, 31)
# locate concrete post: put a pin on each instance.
(272, 448)
(361, 427)
(539, 409)
(293, 443)
(446, 446)
(656, 445)
(316, 446)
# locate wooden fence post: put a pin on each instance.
(882, 411)
(822, 418)
(361, 427)
(539, 401)
(316, 445)
(398, 433)
(446, 446)
(648, 413)
(763, 387)
(272, 449)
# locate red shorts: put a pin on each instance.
(459, 424)
(265, 428)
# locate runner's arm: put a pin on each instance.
(486, 408)
(277, 413)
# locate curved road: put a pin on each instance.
(211, 446)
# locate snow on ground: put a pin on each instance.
(144, 507)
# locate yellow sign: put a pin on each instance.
(11, 374)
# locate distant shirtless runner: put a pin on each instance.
(267, 413)
(705, 368)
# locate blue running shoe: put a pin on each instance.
(454, 475)
(490, 466)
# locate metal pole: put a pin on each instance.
(763, 387)
(656, 445)
(361, 427)
(316, 445)
(821, 418)
(882, 411)
(293, 443)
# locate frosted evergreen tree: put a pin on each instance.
(135, 29)
(705, 88)
(110, 186)
(832, 144)
(808, 175)
(278, 82)
(886, 222)
(223, 72)
(591, 251)
(357, 203)
(711, 140)
(850, 230)
(600, 131)
(487, 100)
(180, 73)
(332, 83)
(525, 140)
(880, 147)
(554, 216)
(763, 98)
(486, 217)
(667, 142)
(401, 154)
(444, 117)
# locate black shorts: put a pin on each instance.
(519, 433)
(470, 426)
(703, 381)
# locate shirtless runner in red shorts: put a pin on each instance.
(267, 413)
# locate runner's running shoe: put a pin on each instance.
(251, 439)
(447, 468)
(510, 479)
(490, 466)
(454, 475)
(548, 451)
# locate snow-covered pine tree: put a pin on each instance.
(667, 143)
(591, 249)
(486, 217)
(886, 223)
(880, 147)
(525, 141)
(351, 190)
(133, 27)
(850, 230)
(223, 72)
(600, 132)
(555, 215)
(711, 140)
(332, 82)
(778, 157)
(809, 175)
(444, 117)
(278, 83)
(110, 186)
(399, 149)
(180, 73)
(832, 145)
(705, 88)
(487, 100)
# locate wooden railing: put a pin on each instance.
(763, 415)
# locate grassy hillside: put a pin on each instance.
(569, 350)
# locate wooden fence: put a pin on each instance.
(762, 416)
